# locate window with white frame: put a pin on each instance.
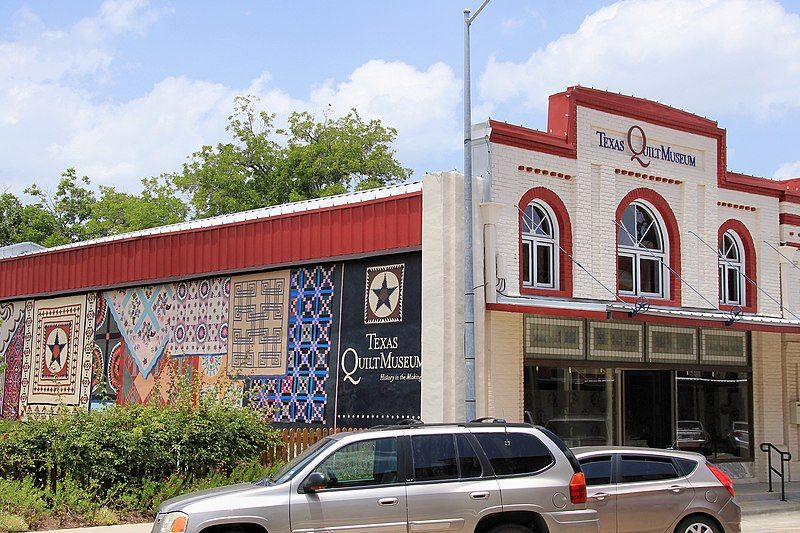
(539, 250)
(641, 253)
(731, 270)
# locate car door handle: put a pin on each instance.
(600, 496)
(677, 489)
(482, 495)
(387, 501)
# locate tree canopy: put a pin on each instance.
(261, 166)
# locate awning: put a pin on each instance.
(608, 310)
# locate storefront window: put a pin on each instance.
(577, 404)
(713, 415)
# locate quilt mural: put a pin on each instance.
(12, 343)
(268, 341)
(57, 355)
(301, 395)
(258, 324)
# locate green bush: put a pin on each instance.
(125, 445)
(22, 498)
(10, 523)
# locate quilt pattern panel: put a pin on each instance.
(300, 396)
(57, 356)
(200, 318)
(258, 324)
(12, 344)
(143, 315)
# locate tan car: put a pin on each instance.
(650, 490)
(480, 477)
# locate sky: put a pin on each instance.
(126, 89)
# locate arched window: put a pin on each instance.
(539, 250)
(731, 269)
(641, 253)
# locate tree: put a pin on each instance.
(119, 212)
(59, 218)
(318, 158)
(10, 218)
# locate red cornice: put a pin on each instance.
(562, 125)
(789, 218)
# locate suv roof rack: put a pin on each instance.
(490, 419)
(490, 422)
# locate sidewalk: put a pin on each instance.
(127, 528)
(755, 500)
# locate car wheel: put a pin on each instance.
(697, 524)
(510, 528)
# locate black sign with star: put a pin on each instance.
(379, 360)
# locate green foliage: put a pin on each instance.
(11, 523)
(22, 498)
(318, 158)
(261, 166)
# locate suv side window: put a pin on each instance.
(597, 470)
(468, 458)
(434, 457)
(636, 468)
(513, 453)
(362, 463)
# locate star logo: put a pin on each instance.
(384, 294)
(56, 347)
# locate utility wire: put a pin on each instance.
(748, 278)
(613, 293)
(781, 254)
(660, 259)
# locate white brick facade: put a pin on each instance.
(592, 181)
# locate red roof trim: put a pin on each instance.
(561, 138)
(789, 218)
(376, 226)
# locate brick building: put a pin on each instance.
(629, 290)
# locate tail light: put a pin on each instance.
(721, 476)
(577, 488)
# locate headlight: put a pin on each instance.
(173, 523)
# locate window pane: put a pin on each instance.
(544, 264)
(434, 457)
(514, 453)
(721, 283)
(625, 273)
(636, 468)
(629, 224)
(536, 219)
(527, 220)
(369, 462)
(577, 404)
(468, 458)
(526, 262)
(713, 413)
(730, 250)
(597, 470)
(686, 466)
(650, 275)
(733, 284)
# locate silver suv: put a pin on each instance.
(495, 477)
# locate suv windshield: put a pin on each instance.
(295, 465)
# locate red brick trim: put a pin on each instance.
(552, 200)
(751, 292)
(673, 235)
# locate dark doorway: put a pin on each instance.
(647, 408)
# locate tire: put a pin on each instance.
(698, 524)
(510, 528)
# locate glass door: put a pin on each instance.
(647, 400)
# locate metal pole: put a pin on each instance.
(469, 284)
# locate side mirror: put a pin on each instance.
(315, 481)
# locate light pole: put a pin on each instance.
(469, 283)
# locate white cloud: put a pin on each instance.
(708, 56)
(787, 170)
(51, 116)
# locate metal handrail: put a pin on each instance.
(767, 448)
